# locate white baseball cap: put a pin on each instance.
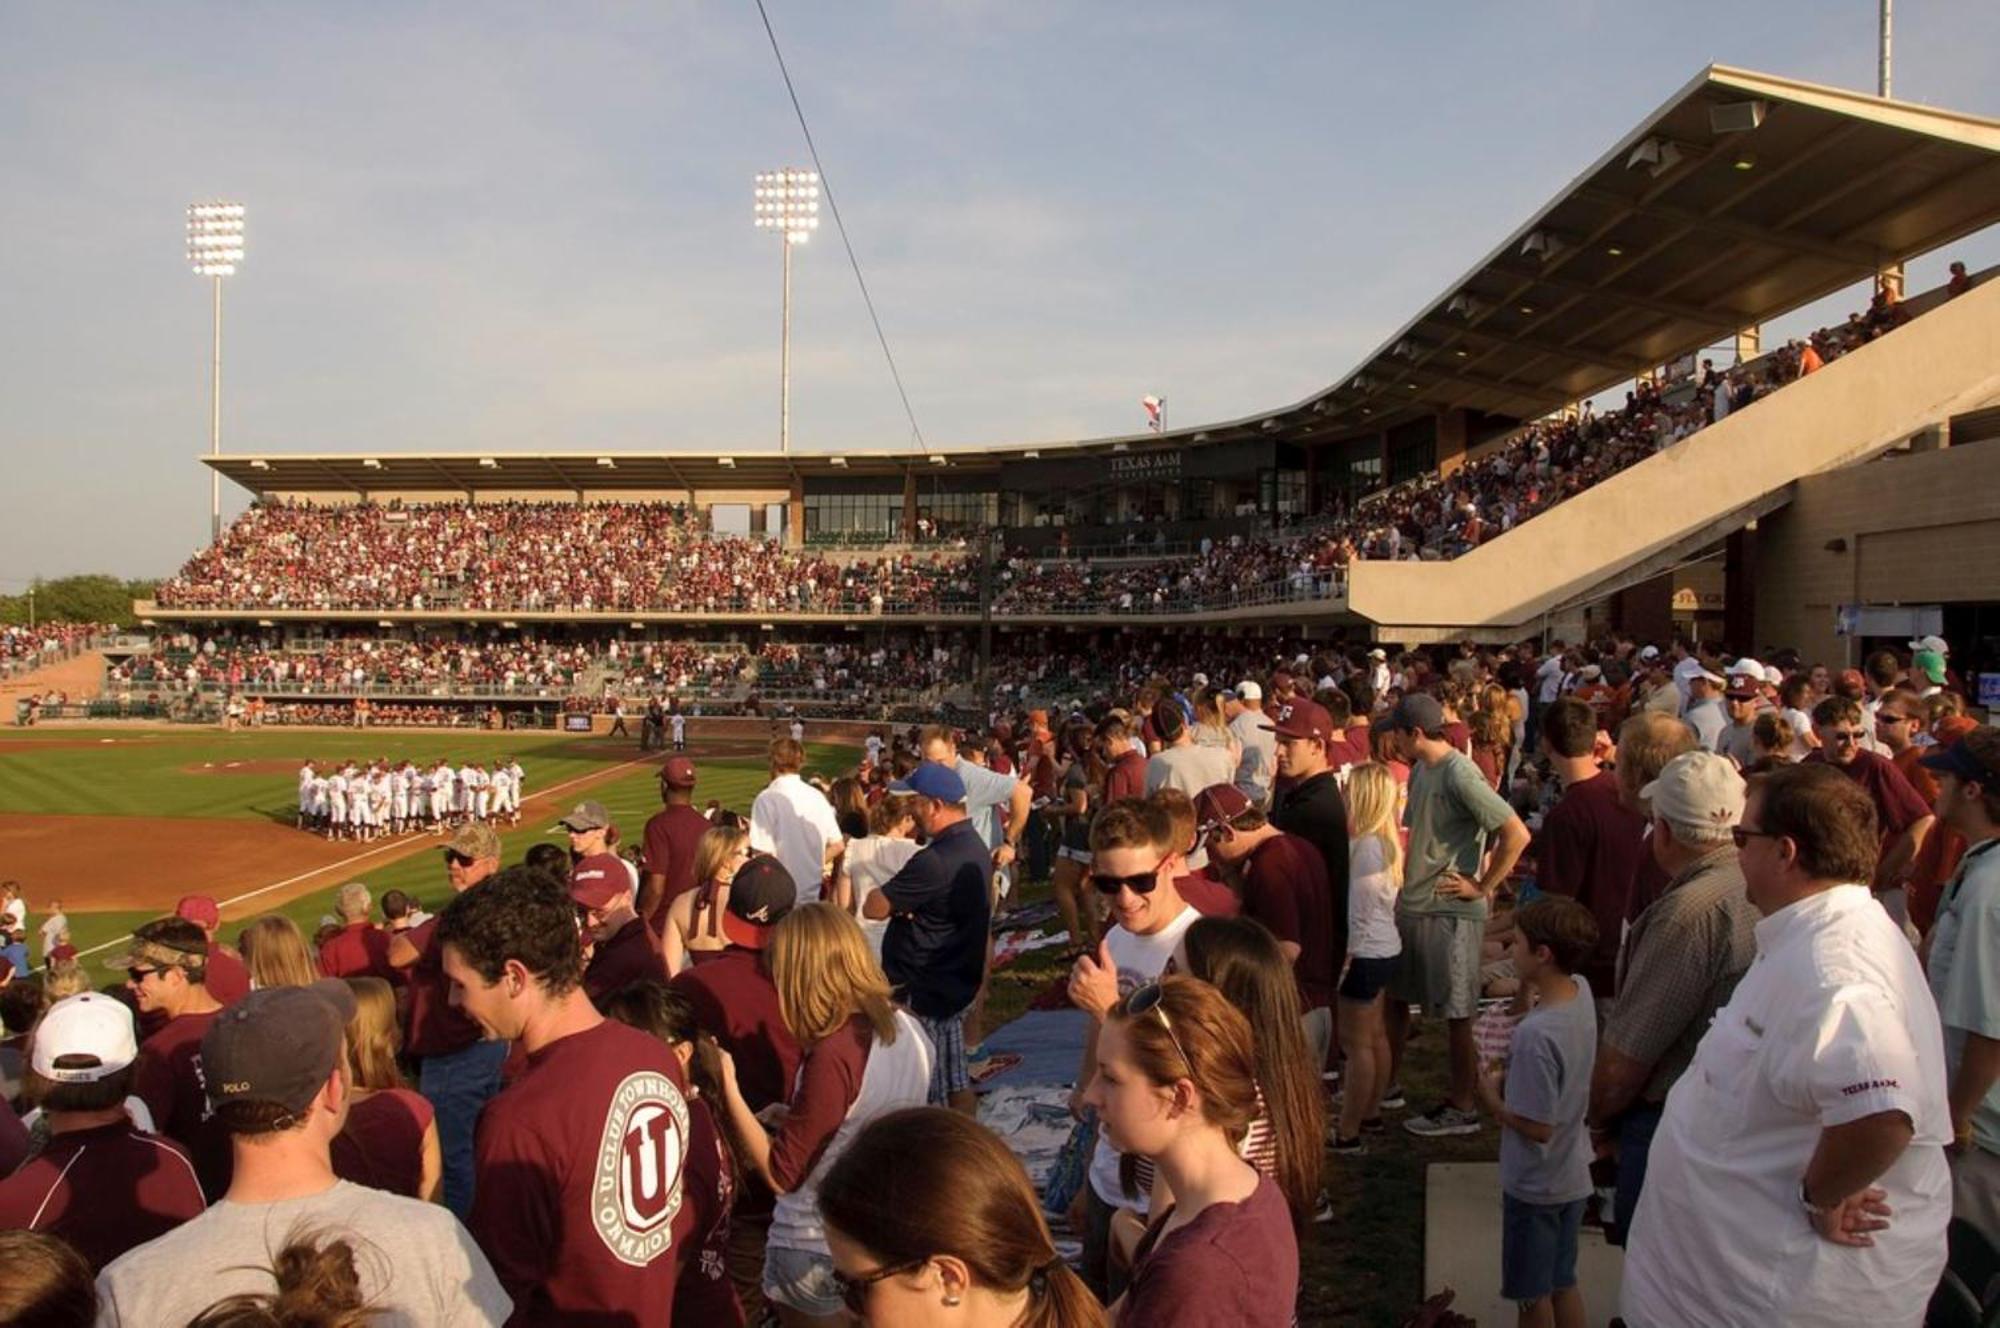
(1378, 653)
(1650, 652)
(92, 1026)
(1201, 680)
(1937, 645)
(1249, 691)
(1746, 665)
(1697, 788)
(1773, 674)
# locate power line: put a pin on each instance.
(841, 226)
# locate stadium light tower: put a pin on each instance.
(215, 247)
(787, 202)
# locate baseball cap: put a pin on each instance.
(1958, 758)
(598, 879)
(1378, 653)
(1742, 689)
(1649, 652)
(587, 816)
(1249, 691)
(277, 1044)
(1419, 712)
(1746, 667)
(933, 780)
(163, 943)
(1930, 663)
(1691, 668)
(89, 1027)
(200, 910)
(1299, 718)
(1216, 804)
(475, 840)
(678, 772)
(1697, 788)
(1936, 645)
(1200, 680)
(1773, 674)
(761, 893)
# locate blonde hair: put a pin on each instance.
(275, 951)
(1372, 795)
(373, 1037)
(65, 977)
(825, 975)
(713, 849)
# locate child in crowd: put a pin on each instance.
(1544, 1146)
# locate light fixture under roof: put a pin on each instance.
(260, 464)
(1745, 161)
(1463, 305)
(727, 463)
(1656, 155)
(370, 463)
(608, 463)
(1268, 425)
(1737, 117)
(1527, 308)
(937, 460)
(1540, 246)
(1614, 251)
(1032, 455)
(839, 461)
(488, 463)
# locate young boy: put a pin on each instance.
(1544, 1147)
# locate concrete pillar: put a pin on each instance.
(1451, 438)
(1749, 343)
(1935, 438)
(1739, 592)
(909, 504)
(795, 514)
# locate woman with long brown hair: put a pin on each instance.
(390, 1141)
(694, 919)
(928, 1212)
(275, 952)
(1176, 1083)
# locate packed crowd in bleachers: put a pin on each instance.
(434, 664)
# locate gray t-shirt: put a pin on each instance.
(1451, 811)
(1260, 756)
(416, 1262)
(1708, 719)
(1189, 769)
(1548, 1080)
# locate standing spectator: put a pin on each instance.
(276, 953)
(735, 1003)
(14, 926)
(581, 1158)
(228, 978)
(1904, 817)
(1590, 846)
(1544, 1147)
(863, 1058)
(54, 927)
(986, 793)
(694, 920)
(793, 820)
(1898, 721)
(1259, 762)
(1646, 742)
(621, 948)
(1704, 713)
(390, 1140)
(938, 910)
(1447, 885)
(1181, 763)
(164, 970)
(1682, 958)
(1817, 1093)
(1124, 760)
(1739, 739)
(101, 1183)
(1310, 805)
(458, 1069)
(672, 836)
(1375, 947)
(1965, 972)
(360, 948)
(873, 859)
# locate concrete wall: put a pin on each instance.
(1938, 366)
(1917, 528)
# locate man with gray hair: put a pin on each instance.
(1682, 959)
(359, 949)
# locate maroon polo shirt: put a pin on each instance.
(358, 950)
(168, 1078)
(672, 836)
(105, 1190)
(1590, 849)
(627, 957)
(1126, 778)
(1898, 805)
(382, 1144)
(1285, 888)
(437, 1027)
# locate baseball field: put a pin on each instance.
(119, 823)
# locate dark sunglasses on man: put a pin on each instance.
(456, 859)
(1142, 883)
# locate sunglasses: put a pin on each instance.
(1142, 883)
(457, 859)
(854, 1290)
(1843, 735)
(1146, 1000)
(137, 976)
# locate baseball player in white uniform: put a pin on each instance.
(399, 798)
(305, 795)
(336, 804)
(379, 795)
(501, 783)
(678, 722)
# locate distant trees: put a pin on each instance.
(94, 598)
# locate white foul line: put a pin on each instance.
(358, 857)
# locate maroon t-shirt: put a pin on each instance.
(1898, 805)
(1207, 896)
(382, 1144)
(703, 1292)
(582, 1167)
(1285, 888)
(829, 1082)
(437, 1027)
(227, 977)
(15, 1145)
(1126, 778)
(1234, 1263)
(627, 957)
(735, 1003)
(1591, 848)
(359, 950)
(104, 1190)
(672, 836)
(168, 1078)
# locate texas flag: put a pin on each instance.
(1154, 406)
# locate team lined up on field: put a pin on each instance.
(353, 801)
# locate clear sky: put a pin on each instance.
(516, 226)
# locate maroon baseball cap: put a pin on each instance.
(1216, 804)
(1300, 718)
(598, 879)
(201, 910)
(760, 894)
(678, 773)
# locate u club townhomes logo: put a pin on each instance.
(639, 1168)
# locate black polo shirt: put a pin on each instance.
(935, 949)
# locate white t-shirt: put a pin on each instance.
(1550, 678)
(52, 930)
(1833, 1022)
(1371, 902)
(415, 1261)
(869, 864)
(1140, 960)
(1190, 769)
(1802, 727)
(793, 820)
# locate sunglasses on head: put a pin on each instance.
(1146, 1000)
(854, 1290)
(1142, 883)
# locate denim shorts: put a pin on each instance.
(802, 1279)
(1537, 1248)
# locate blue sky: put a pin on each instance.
(527, 226)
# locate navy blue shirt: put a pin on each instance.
(935, 949)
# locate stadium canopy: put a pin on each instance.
(1743, 197)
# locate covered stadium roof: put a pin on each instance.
(1741, 198)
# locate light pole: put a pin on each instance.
(214, 248)
(787, 202)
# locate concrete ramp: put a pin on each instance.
(1942, 364)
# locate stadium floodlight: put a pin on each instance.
(1657, 155)
(786, 202)
(214, 249)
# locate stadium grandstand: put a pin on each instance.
(1583, 433)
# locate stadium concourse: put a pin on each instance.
(1153, 840)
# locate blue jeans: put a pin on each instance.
(1635, 1145)
(458, 1085)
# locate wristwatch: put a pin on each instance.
(1814, 1211)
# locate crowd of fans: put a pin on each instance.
(31, 647)
(346, 664)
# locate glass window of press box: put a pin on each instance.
(872, 514)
